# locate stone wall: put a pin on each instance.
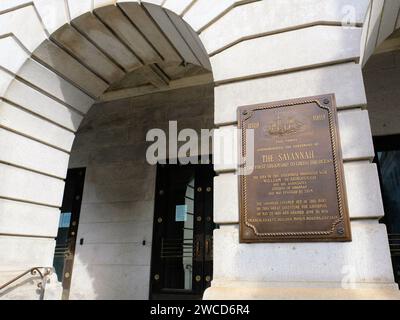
(118, 199)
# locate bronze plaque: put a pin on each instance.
(291, 185)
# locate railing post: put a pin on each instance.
(42, 284)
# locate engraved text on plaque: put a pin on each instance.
(294, 189)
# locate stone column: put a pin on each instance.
(295, 56)
(39, 113)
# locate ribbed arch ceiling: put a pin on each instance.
(392, 43)
(381, 28)
(126, 49)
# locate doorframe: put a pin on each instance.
(73, 228)
(166, 161)
(382, 144)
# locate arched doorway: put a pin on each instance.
(138, 222)
(74, 56)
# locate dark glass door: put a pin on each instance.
(388, 160)
(68, 228)
(182, 234)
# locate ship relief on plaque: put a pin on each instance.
(291, 182)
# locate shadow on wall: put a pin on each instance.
(381, 77)
(116, 219)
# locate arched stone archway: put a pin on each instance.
(259, 51)
(67, 56)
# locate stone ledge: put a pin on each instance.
(256, 293)
(22, 253)
(288, 51)
(28, 186)
(304, 83)
(259, 18)
(364, 260)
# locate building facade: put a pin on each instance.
(83, 82)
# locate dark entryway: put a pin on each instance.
(182, 254)
(68, 228)
(388, 160)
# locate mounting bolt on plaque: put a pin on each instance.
(245, 112)
(326, 101)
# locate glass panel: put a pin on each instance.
(181, 213)
(188, 234)
(390, 171)
(61, 243)
(177, 243)
(65, 220)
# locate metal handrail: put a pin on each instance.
(33, 271)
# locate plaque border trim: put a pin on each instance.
(343, 220)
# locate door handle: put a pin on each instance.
(208, 248)
(197, 249)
